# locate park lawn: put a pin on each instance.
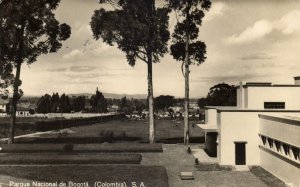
(115, 131)
(22, 124)
(69, 158)
(151, 176)
(81, 148)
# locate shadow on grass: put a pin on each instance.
(266, 177)
(212, 167)
(176, 140)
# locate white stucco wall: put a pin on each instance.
(256, 96)
(280, 168)
(211, 116)
(280, 130)
(283, 166)
(238, 126)
(235, 126)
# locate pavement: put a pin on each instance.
(176, 159)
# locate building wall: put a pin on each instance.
(235, 126)
(3, 108)
(238, 126)
(280, 129)
(283, 164)
(256, 96)
(211, 116)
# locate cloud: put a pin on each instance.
(57, 70)
(228, 78)
(217, 9)
(82, 68)
(73, 54)
(258, 30)
(257, 56)
(287, 24)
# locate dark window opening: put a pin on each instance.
(270, 141)
(286, 149)
(277, 145)
(263, 138)
(295, 151)
(274, 105)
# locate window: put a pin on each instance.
(295, 151)
(264, 139)
(270, 141)
(278, 145)
(286, 149)
(274, 105)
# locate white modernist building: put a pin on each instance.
(263, 129)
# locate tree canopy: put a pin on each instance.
(27, 29)
(219, 95)
(131, 29)
(190, 13)
(163, 102)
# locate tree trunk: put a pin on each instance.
(13, 108)
(150, 101)
(17, 83)
(186, 100)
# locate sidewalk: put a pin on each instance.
(175, 159)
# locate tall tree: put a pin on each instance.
(221, 95)
(64, 104)
(98, 102)
(55, 103)
(163, 102)
(44, 104)
(186, 46)
(29, 28)
(140, 30)
(78, 103)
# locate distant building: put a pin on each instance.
(3, 104)
(263, 129)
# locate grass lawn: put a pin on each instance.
(22, 124)
(115, 131)
(151, 176)
(267, 177)
(69, 158)
(81, 148)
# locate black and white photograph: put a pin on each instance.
(149, 93)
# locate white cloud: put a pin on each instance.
(258, 30)
(217, 9)
(73, 54)
(287, 24)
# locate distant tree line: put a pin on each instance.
(219, 95)
(63, 104)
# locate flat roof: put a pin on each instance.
(208, 127)
(254, 110)
(289, 118)
(269, 85)
(220, 107)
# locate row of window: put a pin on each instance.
(282, 148)
(274, 105)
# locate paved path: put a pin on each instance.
(175, 159)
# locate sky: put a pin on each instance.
(247, 40)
